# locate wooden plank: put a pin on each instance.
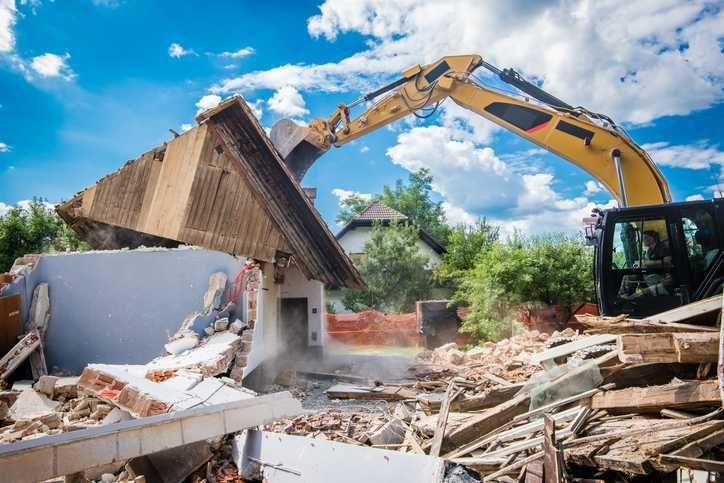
(639, 348)
(676, 395)
(571, 347)
(171, 196)
(616, 325)
(387, 393)
(681, 347)
(696, 347)
(476, 402)
(489, 420)
(19, 353)
(451, 393)
(552, 468)
(689, 311)
(693, 463)
(10, 324)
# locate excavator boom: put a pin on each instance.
(586, 139)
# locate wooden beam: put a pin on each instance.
(689, 311)
(676, 395)
(693, 463)
(481, 424)
(19, 353)
(450, 395)
(681, 347)
(552, 467)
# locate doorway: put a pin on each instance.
(294, 325)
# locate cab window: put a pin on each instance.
(702, 244)
(643, 267)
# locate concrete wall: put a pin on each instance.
(121, 306)
(354, 241)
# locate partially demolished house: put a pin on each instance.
(223, 186)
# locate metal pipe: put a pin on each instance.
(616, 155)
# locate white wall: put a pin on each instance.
(353, 241)
(267, 341)
(296, 285)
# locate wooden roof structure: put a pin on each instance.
(221, 185)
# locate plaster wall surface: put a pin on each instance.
(120, 306)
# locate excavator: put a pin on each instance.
(650, 254)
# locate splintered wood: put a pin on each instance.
(628, 400)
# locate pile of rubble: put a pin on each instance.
(193, 372)
(627, 399)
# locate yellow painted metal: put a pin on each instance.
(644, 183)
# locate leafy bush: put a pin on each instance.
(34, 229)
(550, 270)
(395, 272)
(465, 245)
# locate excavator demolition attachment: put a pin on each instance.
(300, 146)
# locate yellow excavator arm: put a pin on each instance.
(586, 139)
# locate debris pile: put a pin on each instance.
(185, 377)
(627, 399)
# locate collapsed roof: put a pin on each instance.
(221, 185)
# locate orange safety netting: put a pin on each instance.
(374, 328)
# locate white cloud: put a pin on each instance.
(593, 187)
(176, 51)
(456, 215)
(52, 65)
(207, 102)
(186, 127)
(257, 107)
(461, 171)
(364, 149)
(343, 194)
(288, 102)
(8, 16)
(701, 155)
(4, 208)
(475, 182)
(106, 3)
(695, 197)
(551, 219)
(238, 54)
(4, 147)
(25, 205)
(644, 51)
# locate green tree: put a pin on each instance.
(396, 274)
(465, 244)
(34, 229)
(413, 198)
(352, 206)
(524, 272)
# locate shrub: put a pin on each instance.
(524, 272)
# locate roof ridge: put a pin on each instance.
(380, 211)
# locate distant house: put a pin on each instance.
(357, 232)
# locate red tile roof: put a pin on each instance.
(378, 211)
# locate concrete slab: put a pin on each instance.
(287, 459)
(40, 459)
(211, 358)
(31, 405)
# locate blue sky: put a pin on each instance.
(87, 84)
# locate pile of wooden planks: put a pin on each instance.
(632, 399)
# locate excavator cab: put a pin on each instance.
(653, 258)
